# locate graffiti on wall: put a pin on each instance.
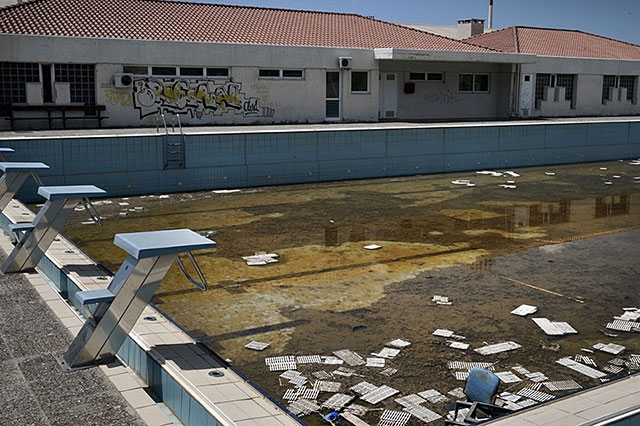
(116, 97)
(442, 97)
(197, 98)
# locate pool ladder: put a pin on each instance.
(173, 146)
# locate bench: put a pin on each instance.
(51, 113)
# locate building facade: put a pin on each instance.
(134, 63)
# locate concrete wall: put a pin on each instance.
(132, 165)
(243, 99)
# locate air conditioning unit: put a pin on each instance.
(344, 62)
(122, 80)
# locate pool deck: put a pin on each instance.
(37, 324)
(8, 135)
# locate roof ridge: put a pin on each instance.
(516, 40)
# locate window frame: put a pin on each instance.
(352, 79)
(473, 83)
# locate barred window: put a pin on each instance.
(629, 83)
(477, 83)
(542, 81)
(555, 80)
(567, 81)
(13, 79)
(82, 79)
(608, 81)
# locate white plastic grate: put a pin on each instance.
(256, 346)
(380, 394)
(338, 401)
(387, 353)
(562, 385)
(443, 332)
(363, 388)
(610, 348)
(433, 396)
(394, 418)
(581, 368)
(497, 348)
(423, 413)
(376, 362)
(350, 357)
(410, 400)
(302, 407)
(327, 386)
(308, 359)
(535, 395)
(281, 363)
(389, 371)
(463, 365)
(399, 343)
(508, 377)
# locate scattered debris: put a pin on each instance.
(433, 396)
(497, 348)
(388, 353)
(350, 357)
(508, 377)
(549, 173)
(610, 348)
(256, 346)
(581, 368)
(524, 310)
(458, 345)
(554, 328)
(338, 401)
(372, 247)
(379, 394)
(399, 343)
(465, 182)
(441, 300)
(423, 413)
(563, 385)
(259, 259)
(535, 395)
(394, 418)
(389, 372)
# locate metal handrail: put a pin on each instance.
(202, 285)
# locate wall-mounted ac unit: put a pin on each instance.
(122, 80)
(344, 62)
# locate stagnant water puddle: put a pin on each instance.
(561, 238)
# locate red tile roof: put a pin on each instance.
(554, 42)
(212, 23)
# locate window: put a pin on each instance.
(13, 79)
(82, 81)
(359, 81)
(622, 81)
(293, 74)
(288, 74)
(435, 76)
(629, 83)
(555, 80)
(191, 72)
(264, 73)
(608, 81)
(218, 72)
(476, 83)
(418, 76)
(163, 71)
(136, 69)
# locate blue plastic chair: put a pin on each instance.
(482, 386)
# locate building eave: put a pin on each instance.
(394, 54)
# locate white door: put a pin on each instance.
(332, 97)
(388, 95)
(526, 95)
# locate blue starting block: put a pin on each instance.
(33, 239)
(15, 173)
(151, 254)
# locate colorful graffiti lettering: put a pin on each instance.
(117, 97)
(195, 97)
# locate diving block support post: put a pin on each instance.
(15, 173)
(119, 306)
(5, 150)
(36, 239)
